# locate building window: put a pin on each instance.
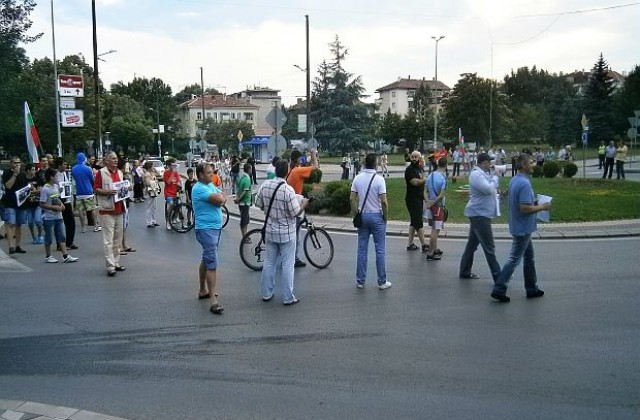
(411, 93)
(233, 115)
(248, 116)
(215, 116)
(198, 115)
(224, 116)
(393, 106)
(393, 94)
(208, 115)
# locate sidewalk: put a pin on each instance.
(609, 229)
(26, 410)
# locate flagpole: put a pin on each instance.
(55, 83)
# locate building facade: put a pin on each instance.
(265, 99)
(397, 97)
(219, 108)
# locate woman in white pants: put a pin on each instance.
(151, 191)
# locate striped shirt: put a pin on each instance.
(281, 223)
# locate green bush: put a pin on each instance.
(315, 177)
(569, 169)
(537, 172)
(306, 189)
(551, 169)
(330, 187)
(340, 200)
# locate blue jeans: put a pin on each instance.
(522, 246)
(372, 224)
(480, 233)
(34, 216)
(53, 228)
(275, 253)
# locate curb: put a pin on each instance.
(13, 409)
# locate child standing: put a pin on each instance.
(52, 208)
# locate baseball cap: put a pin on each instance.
(483, 157)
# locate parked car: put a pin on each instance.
(158, 166)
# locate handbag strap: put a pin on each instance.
(367, 194)
(266, 217)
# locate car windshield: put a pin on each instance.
(157, 163)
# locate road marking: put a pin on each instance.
(9, 265)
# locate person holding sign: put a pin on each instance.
(14, 214)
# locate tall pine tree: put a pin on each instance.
(597, 103)
(343, 123)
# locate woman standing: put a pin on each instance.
(151, 191)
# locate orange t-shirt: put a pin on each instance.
(297, 175)
(217, 181)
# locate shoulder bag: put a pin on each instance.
(445, 210)
(266, 216)
(357, 219)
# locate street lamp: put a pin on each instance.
(308, 72)
(435, 117)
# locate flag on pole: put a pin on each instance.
(460, 136)
(33, 141)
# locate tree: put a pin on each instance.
(390, 128)
(468, 107)
(125, 119)
(14, 25)
(627, 100)
(194, 89)
(597, 104)
(343, 122)
(225, 134)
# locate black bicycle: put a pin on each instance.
(317, 244)
(182, 220)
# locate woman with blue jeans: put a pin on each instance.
(369, 197)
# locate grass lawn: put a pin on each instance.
(574, 200)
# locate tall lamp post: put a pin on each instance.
(435, 116)
(307, 70)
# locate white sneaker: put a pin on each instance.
(50, 260)
(385, 285)
(168, 226)
(360, 285)
(70, 259)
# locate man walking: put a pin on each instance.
(111, 212)
(609, 160)
(481, 208)
(522, 223)
(207, 201)
(414, 197)
(369, 197)
(281, 206)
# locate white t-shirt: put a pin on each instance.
(378, 187)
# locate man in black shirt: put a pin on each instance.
(14, 216)
(414, 178)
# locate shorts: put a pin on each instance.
(415, 213)
(209, 239)
(53, 227)
(86, 204)
(13, 216)
(244, 215)
(438, 217)
(34, 216)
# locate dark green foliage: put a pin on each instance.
(550, 169)
(569, 169)
(598, 101)
(330, 187)
(627, 100)
(315, 177)
(340, 200)
(537, 172)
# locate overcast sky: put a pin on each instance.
(257, 42)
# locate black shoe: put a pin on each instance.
(434, 257)
(20, 250)
(438, 252)
(536, 294)
(425, 248)
(12, 250)
(72, 246)
(293, 302)
(470, 276)
(300, 263)
(120, 268)
(111, 273)
(501, 298)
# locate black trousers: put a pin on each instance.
(600, 161)
(69, 223)
(608, 167)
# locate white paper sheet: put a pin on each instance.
(544, 215)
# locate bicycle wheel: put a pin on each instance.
(182, 218)
(318, 247)
(253, 250)
(225, 216)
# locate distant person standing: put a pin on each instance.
(480, 209)
(14, 216)
(234, 171)
(345, 168)
(62, 179)
(172, 183)
(621, 158)
(243, 197)
(207, 202)
(138, 185)
(414, 199)
(609, 160)
(601, 154)
(85, 198)
(369, 197)
(152, 190)
(522, 224)
(384, 165)
(271, 169)
(436, 186)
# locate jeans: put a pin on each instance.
(372, 224)
(608, 167)
(480, 233)
(620, 169)
(234, 180)
(34, 216)
(522, 246)
(275, 253)
(53, 228)
(298, 237)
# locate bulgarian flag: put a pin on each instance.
(460, 136)
(33, 141)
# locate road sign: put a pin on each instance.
(70, 85)
(67, 103)
(312, 144)
(585, 137)
(631, 133)
(240, 135)
(72, 118)
(584, 121)
(202, 133)
(276, 145)
(276, 118)
(302, 123)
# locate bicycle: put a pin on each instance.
(182, 219)
(317, 245)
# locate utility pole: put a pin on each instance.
(308, 82)
(55, 82)
(96, 83)
(435, 116)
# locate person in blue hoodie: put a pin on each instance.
(85, 201)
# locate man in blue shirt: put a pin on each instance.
(481, 208)
(207, 200)
(522, 223)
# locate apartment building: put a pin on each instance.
(219, 108)
(265, 99)
(397, 97)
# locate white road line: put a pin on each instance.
(9, 265)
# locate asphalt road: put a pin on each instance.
(141, 345)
